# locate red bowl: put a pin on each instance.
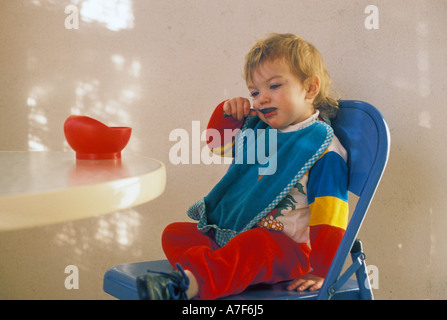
(93, 140)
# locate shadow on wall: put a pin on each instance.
(64, 77)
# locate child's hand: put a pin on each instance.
(308, 281)
(239, 108)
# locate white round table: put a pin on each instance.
(41, 188)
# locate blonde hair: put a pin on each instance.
(303, 60)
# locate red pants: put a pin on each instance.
(254, 256)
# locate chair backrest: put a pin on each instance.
(364, 133)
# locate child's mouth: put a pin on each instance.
(268, 112)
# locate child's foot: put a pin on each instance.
(163, 286)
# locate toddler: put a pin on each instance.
(283, 225)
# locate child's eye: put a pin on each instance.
(275, 86)
(254, 94)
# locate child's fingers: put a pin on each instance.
(240, 109)
(227, 108)
(246, 106)
(295, 284)
(237, 108)
(316, 286)
(303, 284)
(230, 108)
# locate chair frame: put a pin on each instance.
(365, 191)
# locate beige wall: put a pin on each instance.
(159, 65)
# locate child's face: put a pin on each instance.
(274, 86)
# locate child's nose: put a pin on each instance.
(264, 98)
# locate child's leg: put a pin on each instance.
(255, 256)
(180, 237)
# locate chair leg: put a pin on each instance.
(361, 273)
